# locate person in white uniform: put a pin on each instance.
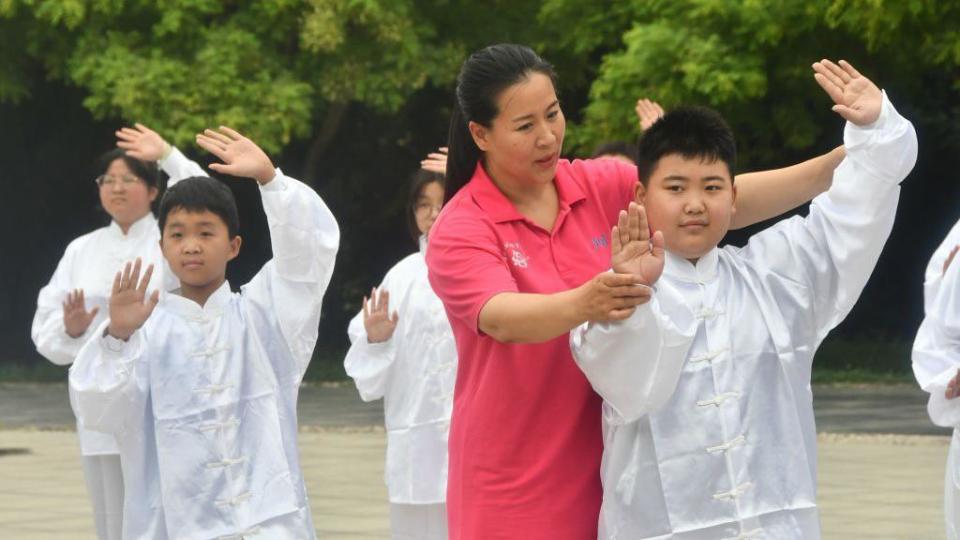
(408, 358)
(74, 302)
(199, 386)
(936, 362)
(709, 426)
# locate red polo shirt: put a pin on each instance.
(525, 438)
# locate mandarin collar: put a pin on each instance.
(138, 229)
(489, 197)
(705, 269)
(422, 242)
(184, 307)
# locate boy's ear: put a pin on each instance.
(479, 134)
(152, 193)
(234, 247)
(639, 192)
(733, 205)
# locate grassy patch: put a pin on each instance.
(39, 370)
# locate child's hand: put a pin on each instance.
(857, 99)
(633, 250)
(436, 161)
(128, 311)
(953, 387)
(76, 318)
(241, 156)
(142, 143)
(377, 320)
(648, 112)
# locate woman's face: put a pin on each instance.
(123, 195)
(523, 143)
(428, 206)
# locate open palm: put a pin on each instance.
(856, 98)
(633, 249)
(241, 156)
(141, 142)
(129, 305)
(377, 320)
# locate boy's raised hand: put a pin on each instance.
(142, 143)
(241, 156)
(856, 98)
(436, 161)
(648, 112)
(76, 318)
(633, 250)
(377, 320)
(128, 310)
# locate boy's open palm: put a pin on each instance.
(857, 99)
(377, 320)
(128, 308)
(241, 156)
(633, 250)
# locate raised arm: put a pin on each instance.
(373, 348)
(145, 144)
(936, 351)
(287, 293)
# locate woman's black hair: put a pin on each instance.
(149, 172)
(420, 180)
(484, 75)
(615, 148)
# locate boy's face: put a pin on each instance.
(197, 245)
(691, 201)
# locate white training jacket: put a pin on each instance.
(936, 359)
(732, 452)
(414, 372)
(89, 263)
(203, 400)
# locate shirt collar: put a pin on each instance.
(138, 229)
(489, 197)
(189, 309)
(705, 269)
(423, 244)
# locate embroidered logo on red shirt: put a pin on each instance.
(516, 254)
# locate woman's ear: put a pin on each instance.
(479, 134)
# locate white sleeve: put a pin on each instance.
(832, 252)
(368, 364)
(934, 272)
(635, 364)
(178, 166)
(48, 333)
(936, 350)
(287, 293)
(104, 383)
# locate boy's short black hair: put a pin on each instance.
(691, 132)
(201, 193)
(615, 148)
(149, 172)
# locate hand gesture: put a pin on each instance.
(76, 318)
(241, 156)
(946, 263)
(857, 99)
(648, 112)
(377, 320)
(128, 311)
(953, 387)
(632, 249)
(436, 161)
(142, 143)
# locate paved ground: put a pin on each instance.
(881, 464)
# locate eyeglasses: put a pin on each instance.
(426, 208)
(110, 180)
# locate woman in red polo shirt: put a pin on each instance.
(519, 256)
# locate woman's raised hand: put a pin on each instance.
(377, 320)
(142, 143)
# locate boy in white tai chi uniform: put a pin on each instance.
(201, 392)
(709, 427)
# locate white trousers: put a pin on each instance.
(418, 521)
(105, 488)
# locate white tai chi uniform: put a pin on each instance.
(203, 400)
(90, 263)
(936, 359)
(732, 452)
(414, 372)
